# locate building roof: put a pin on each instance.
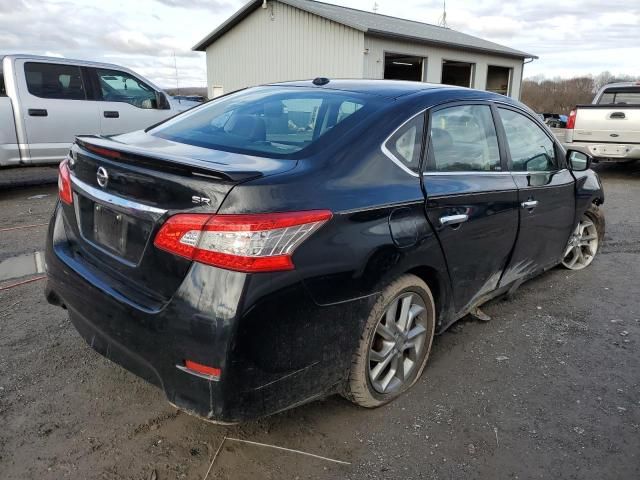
(374, 24)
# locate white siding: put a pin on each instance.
(289, 45)
(374, 61)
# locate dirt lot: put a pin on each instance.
(550, 388)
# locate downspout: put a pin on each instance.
(522, 76)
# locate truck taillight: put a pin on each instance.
(571, 123)
(262, 242)
(64, 183)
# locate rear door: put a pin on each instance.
(54, 108)
(546, 194)
(472, 200)
(126, 103)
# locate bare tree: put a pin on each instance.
(561, 95)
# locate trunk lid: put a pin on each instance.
(607, 124)
(124, 189)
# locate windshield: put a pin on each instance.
(269, 121)
(621, 95)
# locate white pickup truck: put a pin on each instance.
(45, 102)
(609, 128)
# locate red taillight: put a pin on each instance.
(261, 242)
(64, 182)
(105, 152)
(571, 123)
(202, 369)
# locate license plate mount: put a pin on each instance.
(615, 150)
(110, 229)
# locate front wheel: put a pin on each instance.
(395, 344)
(585, 240)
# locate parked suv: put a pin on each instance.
(295, 240)
(45, 102)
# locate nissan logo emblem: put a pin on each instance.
(102, 176)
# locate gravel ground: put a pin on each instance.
(550, 388)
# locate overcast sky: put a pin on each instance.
(570, 37)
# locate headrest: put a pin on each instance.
(441, 138)
(248, 127)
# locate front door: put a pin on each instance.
(127, 103)
(546, 195)
(54, 108)
(472, 200)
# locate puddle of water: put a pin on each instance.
(21, 266)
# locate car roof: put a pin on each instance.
(69, 61)
(620, 85)
(393, 89)
(383, 88)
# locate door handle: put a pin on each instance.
(454, 219)
(38, 112)
(111, 114)
(530, 204)
(619, 115)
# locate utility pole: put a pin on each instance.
(442, 22)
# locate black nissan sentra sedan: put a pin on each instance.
(296, 240)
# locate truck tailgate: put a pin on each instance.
(607, 124)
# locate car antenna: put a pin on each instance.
(320, 81)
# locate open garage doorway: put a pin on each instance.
(403, 67)
(498, 79)
(457, 73)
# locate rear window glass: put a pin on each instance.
(269, 121)
(624, 95)
(51, 80)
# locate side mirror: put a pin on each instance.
(162, 101)
(578, 161)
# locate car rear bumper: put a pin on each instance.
(276, 349)
(612, 152)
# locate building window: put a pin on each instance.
(403, 67)
(498, 79)
(457, 73)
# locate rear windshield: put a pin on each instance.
(3, 91)
(621, 95)
(277, 122)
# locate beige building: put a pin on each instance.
(277, 40)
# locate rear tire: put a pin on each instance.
(395, 343)
(585, 241)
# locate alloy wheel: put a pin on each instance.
(582, 246)
(398, 344)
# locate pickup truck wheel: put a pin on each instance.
(585, 240)
(395, 344)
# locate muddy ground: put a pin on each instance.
(550, 388)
